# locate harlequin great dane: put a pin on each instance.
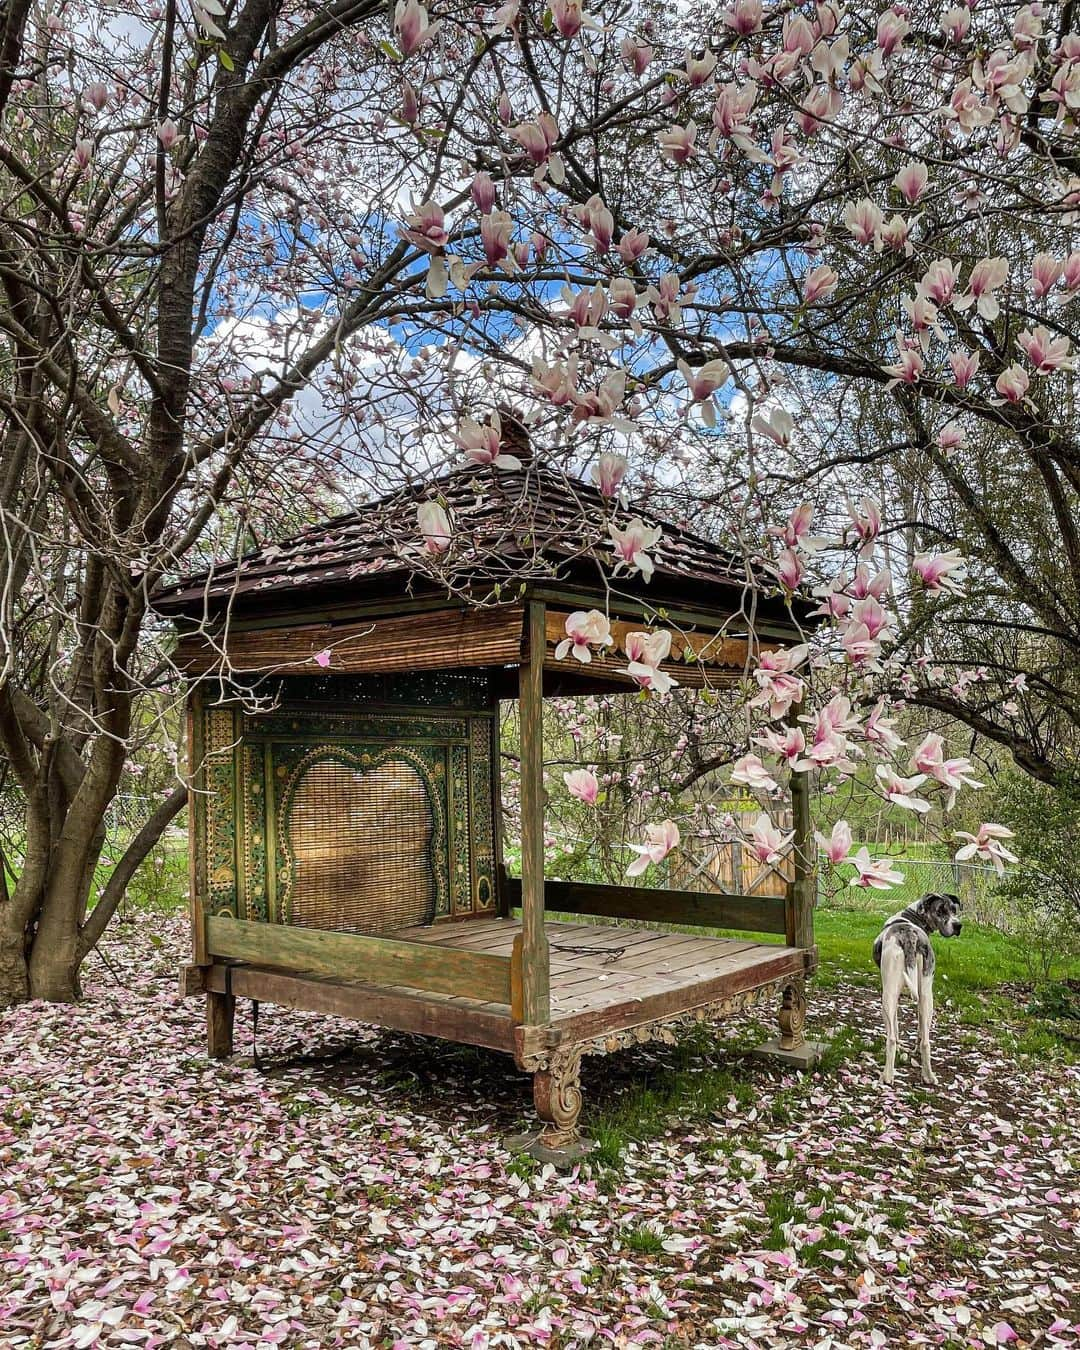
(906, 959)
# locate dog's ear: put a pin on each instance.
(956, 900)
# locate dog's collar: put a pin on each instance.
(911, 916)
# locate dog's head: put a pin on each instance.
(940, 911)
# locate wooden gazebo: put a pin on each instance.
(346, 852)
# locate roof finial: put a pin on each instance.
(515, 434)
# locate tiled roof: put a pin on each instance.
(509, 526)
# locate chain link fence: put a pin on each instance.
(975, 885)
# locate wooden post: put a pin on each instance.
(196, 831)
(536, 978)
(220, 1011)
(801, 889)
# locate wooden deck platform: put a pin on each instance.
(604, 978)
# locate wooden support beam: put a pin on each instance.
(802, 889)
(696, 909)
(220, 1012)
(536, 961)
(399, 1009)
(483, 976)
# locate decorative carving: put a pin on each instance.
(792, 1016)
(557, 1095)
(219, 779)
(481, 812)
(557, 1070)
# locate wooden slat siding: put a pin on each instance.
(423, 1014)
(434, 968)
(722, 661)
(535, 968)
(753, 969)
(801, 890)
(438, 640)
(699, 909)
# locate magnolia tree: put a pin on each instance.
(259, 255)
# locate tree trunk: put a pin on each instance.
(43, 936)
(14, 974)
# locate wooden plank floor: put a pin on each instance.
(604, 976)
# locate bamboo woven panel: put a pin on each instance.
(429, 640)
(361, 848)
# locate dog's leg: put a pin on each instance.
(892, 981)
(926, 1017)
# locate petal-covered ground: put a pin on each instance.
(353, 1189)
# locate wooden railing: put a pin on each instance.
(698, 909)
(483, 976)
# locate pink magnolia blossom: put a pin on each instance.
(537, 138)
(875, 874)
(895, 234)
(660, 840)
(940, 282)
(427, 227)
(495, 230)
(881, 731)
(863, 220)
(570, 18)
(645, 653)
(1046, 352)
(899, 791)
(582, 784)
(955, 23)
(482, 191)
(632, 544)
(323, 658)
(907, 369)
(1071, 274)
(678, 143)
(892, 28)
(987, 846)
(623, 297)
(790, 569)
(864, 584)
(790, 745)
(1046, 271)
(767, 842)
(778, 425)
(482, 443)
(435, 526)
(608, 473)
(952, 437)
(599, 404)
(952, 774)
(752, 773)
(1012, 384)
(705, 380)
(637, 55)
(697, 70)
(964, 365)
(838, 845)
(795, 533)
(859, 646)
(819, 284)
(734, 103)
(412, 27)
(940, 571)
(986, 279)
(632, 245)
(83, 152)
(743, 16)
(584, 630)
(911, 182)
(96, 94)
(866, 523)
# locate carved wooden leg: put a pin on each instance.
(220, 1011)
(557, 1094)
(792, 1017)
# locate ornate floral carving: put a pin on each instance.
(792, 1016)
